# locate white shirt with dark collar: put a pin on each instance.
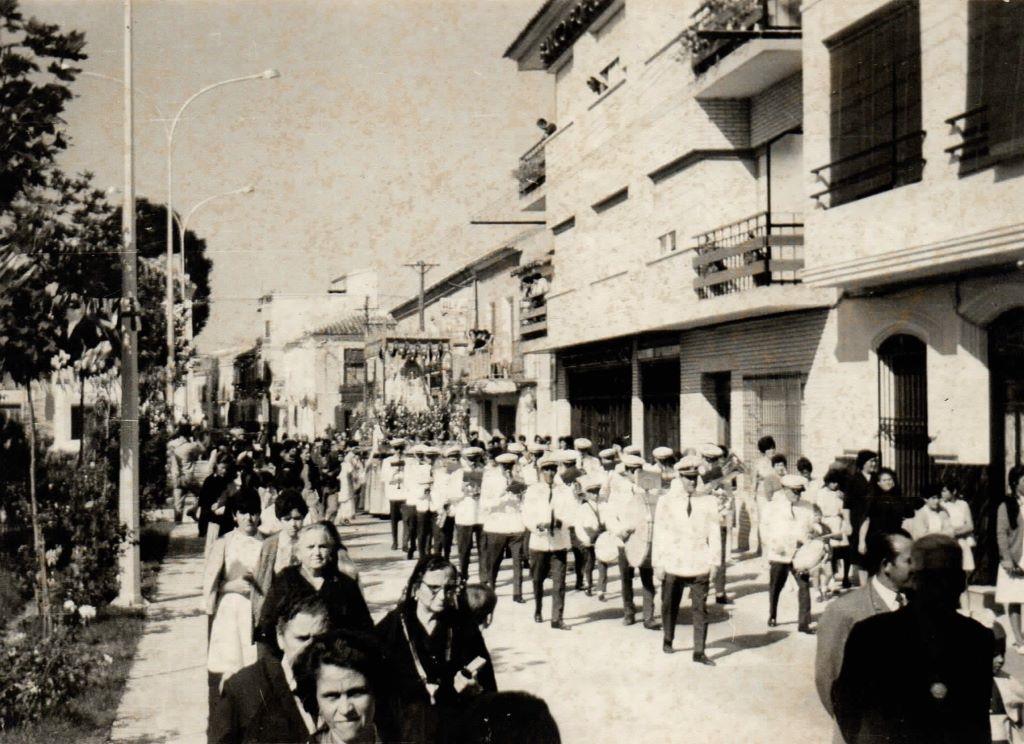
(888, 596)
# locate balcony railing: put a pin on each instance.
(722, 26)
(489, 367)
(531, 171)
(887, 165)
(758, 251)
(973, 149)
(534, 285)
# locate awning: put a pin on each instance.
(495, 387)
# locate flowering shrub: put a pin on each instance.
(78, 515)
(37, 675)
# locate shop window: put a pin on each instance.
(354, 372)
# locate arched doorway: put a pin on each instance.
(1006, 369)
(903, 410)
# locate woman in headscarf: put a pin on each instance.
(435, 657)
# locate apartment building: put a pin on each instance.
(792, 219)
(477, 312)
(674, 196)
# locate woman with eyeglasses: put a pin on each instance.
(435, 657)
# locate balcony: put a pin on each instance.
(720, 27)
(531, 171)
(882, 167)
(534, 285)
(759, 251)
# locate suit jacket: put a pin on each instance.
(834, 628)
(892, 663)
(257, 706)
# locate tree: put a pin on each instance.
(32, 98)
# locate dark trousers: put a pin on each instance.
(582, 563)
(671, 594)
(495, 544)
(777, 575)
(627, 572)
(396, 517)
(464, 535)
(542, 564)
(442, 537)
(602, 577)
(408, 528)
(720, 573)
(424, 532)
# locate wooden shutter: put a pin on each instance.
(875, 103)
(995, 76)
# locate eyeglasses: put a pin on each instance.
(437, 589)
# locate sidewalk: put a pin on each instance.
(165, 699)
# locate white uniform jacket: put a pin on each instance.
(787, 526)
(686, 544)
(528, 471)
(417, 479)
(465, 505)
(502, 511)
(542, 504)
(591, 465)
(625, 506)
(393, 479)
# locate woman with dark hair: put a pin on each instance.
(337, 679)
(435, 657)
(887, 507)
(317, 572)
(1010, 538)
(228, 583)
(859, 488)
(278, 550)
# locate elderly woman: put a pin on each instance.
(435, 657)
(228, 583)
(337, 679)
(1010, 538)
(317, 550)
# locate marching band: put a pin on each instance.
(670, 521)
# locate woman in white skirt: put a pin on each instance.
(227, 588)
(346, 490)
(963, 524)
(1010, 538)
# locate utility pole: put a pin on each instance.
(422, 267)
(366, 362)
(130, 592)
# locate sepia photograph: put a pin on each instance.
(511, 371)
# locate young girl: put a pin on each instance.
(228, 587)
(835, 518)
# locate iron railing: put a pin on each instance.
(973, 149)
(882, 167)
(535, 282)
(758, 251)
(531, 172)
(722, 27)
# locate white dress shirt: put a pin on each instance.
(686, 542)
(543, 504)
(888, 596)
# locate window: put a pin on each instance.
(612, 74)
(10, 412)
(564, 226)
(772, 405)
(667, 243)
(611, 201)
(355, 367)
(903, 410)
(875, 106)
(266, 329)
(995, 83)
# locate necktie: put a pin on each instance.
(551, 499)
(901, 601)
(689, 505)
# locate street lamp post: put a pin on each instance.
(169, 285)
(183, 231)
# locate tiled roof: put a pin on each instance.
(352, 325)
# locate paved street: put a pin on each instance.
(609, 683)
(603, 681)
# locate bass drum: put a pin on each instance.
(586, 524)
(606, 547)
(809, 555)
(638, 545)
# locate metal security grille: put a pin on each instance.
(1006, 360)
(660, 392)
(773, 405)
(600, 404)
(903, 410)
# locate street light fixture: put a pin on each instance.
(268, 74)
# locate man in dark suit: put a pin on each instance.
(258, 703)
(924, 672)
(888, 565)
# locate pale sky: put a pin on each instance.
(392, 124)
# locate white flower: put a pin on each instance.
(52, 556)
(16, 637)
(108, 659)
(87, 612)
(89, 504)
(69, 605)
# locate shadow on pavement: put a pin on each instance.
(746, 642)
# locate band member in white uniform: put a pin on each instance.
(609, 459)
(547, 512)
(392, 474)
(625, 508)
(587, 462)
(502, 510)
(444, 521)
(417, 476)
(684, 553)
(466, 502)
(424, 510)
